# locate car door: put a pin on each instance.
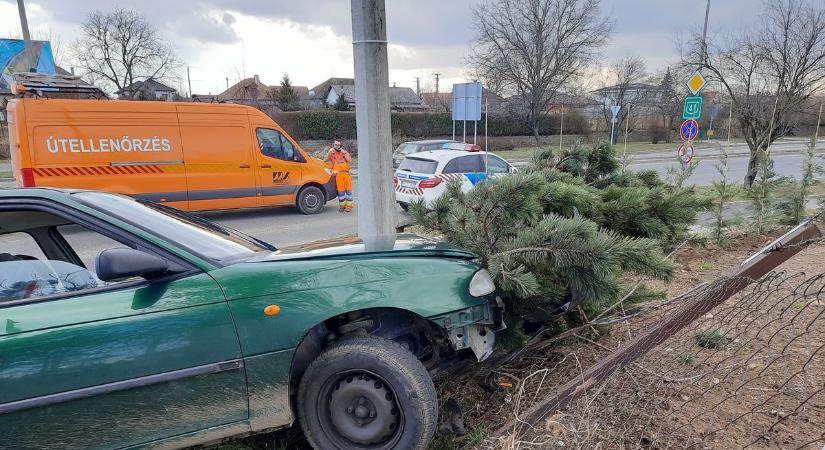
(92, 364)
(470, 166)
(280, 167)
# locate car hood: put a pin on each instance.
(402, 245)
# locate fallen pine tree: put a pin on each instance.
(561, 233)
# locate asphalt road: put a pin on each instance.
(789, 165)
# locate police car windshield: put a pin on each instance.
(418, 165)
(406, 149)
(195, 234)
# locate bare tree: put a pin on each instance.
(120, 47)
(769, 71)
(536, 47)
(620, 88)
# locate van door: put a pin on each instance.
(280, 167)
(219, 158)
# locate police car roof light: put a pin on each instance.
(461, 146)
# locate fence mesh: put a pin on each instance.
(750, 373)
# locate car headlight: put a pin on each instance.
(328, 170)
(482, 284)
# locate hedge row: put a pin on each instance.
(327, 124)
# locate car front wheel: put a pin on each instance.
(367, 392)
(310, 200)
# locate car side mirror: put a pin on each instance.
(117, 264)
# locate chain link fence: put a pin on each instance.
(748, 373)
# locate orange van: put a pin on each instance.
(192, 156)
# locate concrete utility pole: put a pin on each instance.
(705, 35)
(437, 75)
(27, 40)
(418, 86)
(376, 197)
(189, 81)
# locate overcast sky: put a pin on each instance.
(311, 39)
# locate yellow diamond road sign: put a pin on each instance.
(696, 82)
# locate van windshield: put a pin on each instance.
(197, 235)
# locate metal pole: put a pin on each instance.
(561, 127)
(705, 35)
(453, 129)
(486, 148)
(27, 40)
(626, 130)
(818, 121)
(189, 80)
(464, 133)
(475, 132)
(612, 128)
(376, 210)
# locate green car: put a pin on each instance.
(131, 324)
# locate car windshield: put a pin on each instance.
(418, 165)
(195, 234)
(407, 148)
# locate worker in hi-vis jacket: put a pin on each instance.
(339, 159)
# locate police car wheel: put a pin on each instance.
(367, 393)
(310, 200)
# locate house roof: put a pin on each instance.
(399, 96)
(322, 89)
(150, 84)
(252, 88)
(246, 89)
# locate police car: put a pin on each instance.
(425, 175)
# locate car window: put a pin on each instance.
(87, 244)
(408, 149)
(497, 165)
(26, 272)
(465, 164)
(433, 147)
(19, 245)
(275, 145)
(418, 165)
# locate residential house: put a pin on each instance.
(401, 98)
(149, 89)
(252, 92)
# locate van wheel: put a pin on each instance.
(310, 200)
(367, 392)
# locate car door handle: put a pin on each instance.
(244, 166)
(266, 166)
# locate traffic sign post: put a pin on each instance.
(693, 107)
(696, 82)
(689, 130)
(615, 111)
(686, 152)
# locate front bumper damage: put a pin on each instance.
(474, 327)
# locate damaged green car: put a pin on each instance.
(131, 324)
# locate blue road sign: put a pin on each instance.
(689, 130)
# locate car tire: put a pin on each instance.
(404, 206)
(367, 392)
(310, 200)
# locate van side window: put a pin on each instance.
(276, 145)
